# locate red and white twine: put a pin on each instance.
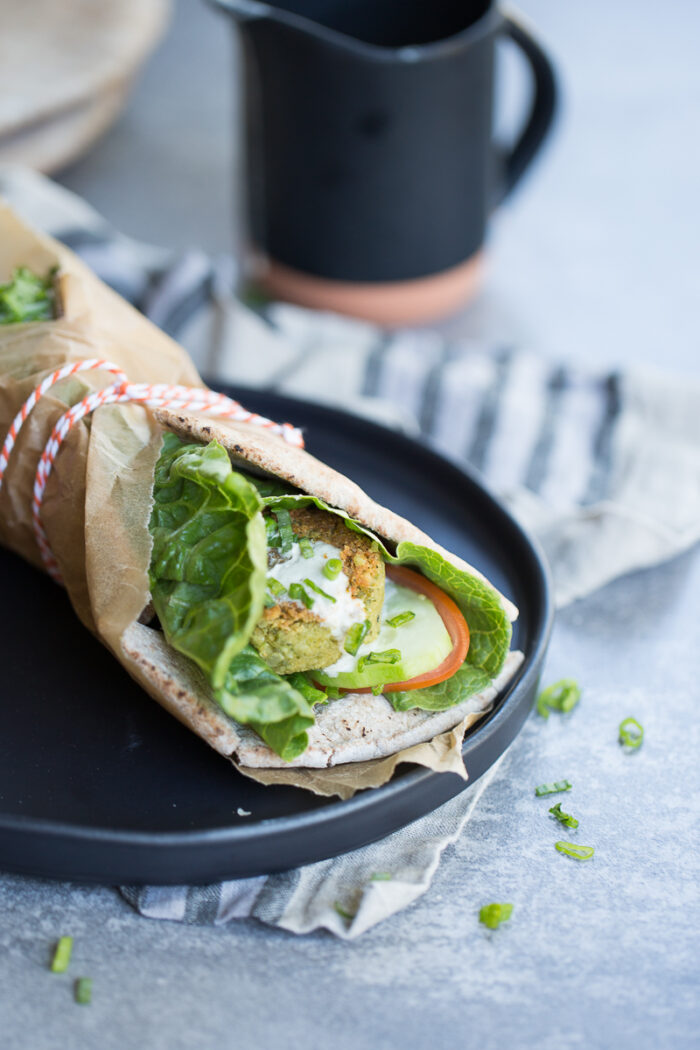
(153, 395)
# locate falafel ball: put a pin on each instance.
(290, 637)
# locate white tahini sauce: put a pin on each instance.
(348, 662)
(340, 615)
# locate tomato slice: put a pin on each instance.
(453, 620)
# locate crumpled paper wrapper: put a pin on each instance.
(98, 499)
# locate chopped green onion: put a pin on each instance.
(343, 912)
(572, 849)
(306, 547)
(561, 696)
(377, 690)
(274, 586)
(27, 297)
(563, 818)
(301, 683)
(389, 656)
(401, 618)
(631, 733)
(83, 990)
(297, 593)
(312, 585)
(492, 915)
(381, 876)
(553, 788)
(270, 602)
(284, 524)
(61, 957)
(272, 533)
(332, 568)
(356, 636)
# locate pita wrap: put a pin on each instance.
(98, 506)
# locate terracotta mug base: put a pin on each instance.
(388, 303)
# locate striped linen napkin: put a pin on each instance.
(603, 468)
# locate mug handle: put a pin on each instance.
(542, 111)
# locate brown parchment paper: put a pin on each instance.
(98, 499)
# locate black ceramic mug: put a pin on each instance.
(371, 168)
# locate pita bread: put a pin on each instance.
(356, 728)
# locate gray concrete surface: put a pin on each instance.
(596, 259)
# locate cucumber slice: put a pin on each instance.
(423, 643)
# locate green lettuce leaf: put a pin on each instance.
(489, 627)
(209, 559)
(254, 695)
(27, 297)
(208, 576)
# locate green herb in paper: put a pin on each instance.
(492, 915)
(27, 297)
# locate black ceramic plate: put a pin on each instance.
(97, 782)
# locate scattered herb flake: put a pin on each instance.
(343, 912)
(332, 568)
(356, 636)
(297, 593)
(572, 849)
(272, 533)
(563, 818)
(83, 990)
(381, 876)
(561, 696)
(492, 915)
(318, 590)
(389, 656)
(62, 954)
(284, 524)
(553, 788)
(631, 733)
